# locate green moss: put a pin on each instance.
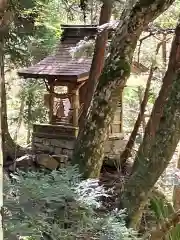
(119, 68)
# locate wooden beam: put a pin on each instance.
(51, 103)
(75, 106)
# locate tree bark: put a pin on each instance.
(141, 96)
(1, 162)
(20, 119)
(129, 146)
(29, 118)
(10, 149)
(98, 58)
(153, 162)
(3, 5)
(176, 191)
(89, 149)
(158, 107)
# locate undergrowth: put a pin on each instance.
(59, 206)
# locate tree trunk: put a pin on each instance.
(1, 157)
(141, 96)
(89, 150)
(20, 119)
(3, 5)
(9, 147)
(158, 107)
(164, 50)
(176, 191)
(29, 118)
(129, 146)
(98, 58)
(153, 162)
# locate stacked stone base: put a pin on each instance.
(59, 142)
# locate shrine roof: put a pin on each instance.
(62, 65)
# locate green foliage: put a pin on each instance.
(169, 18)
(34, 30)
(31, 93)
(34, 111)
(59, 206)
(162, 210)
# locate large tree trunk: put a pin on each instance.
(158, 107)
(89, 150)
(162, 146)
(3, 5)
(1, 161)
(10, 148)
(98, 58)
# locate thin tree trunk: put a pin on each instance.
(129, 146)
(153, 162)
(164, 50)
(89, 150)
(140, 96)
(158, 107)
(3, 109)
(98, 58)
(20, 118)
(29, 118)
(176, 191)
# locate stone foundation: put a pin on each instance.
(61, 142)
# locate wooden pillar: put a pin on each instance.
(51, 103)
(70, 90)
(75, 106)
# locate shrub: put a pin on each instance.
(59, 206)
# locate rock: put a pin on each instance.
(63, 143)
(47, 161)
(67, 152)
(62, 159)
(42, 147)
(57, 151)
(22, 163)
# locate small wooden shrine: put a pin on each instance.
(59, 70)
